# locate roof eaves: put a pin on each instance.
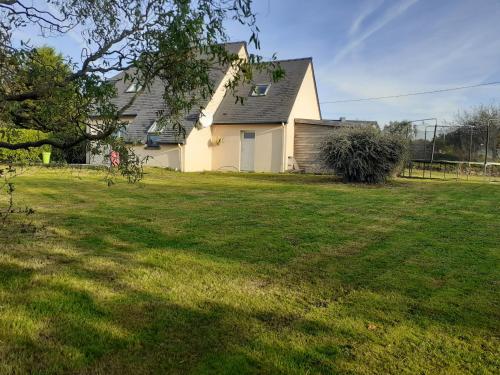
(301, 82)
(316, 89)
(296, 59)
(251, 122)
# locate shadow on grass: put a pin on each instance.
(287, 178)
(381, 263)
(385, 259)
(62, 313)
(82, 322)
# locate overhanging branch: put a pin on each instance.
(56, 143)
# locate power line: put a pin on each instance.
(412, 93)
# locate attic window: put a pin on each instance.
(153, 128)
(260, 89)
(153, 138)
(134, 87)
(118, 133)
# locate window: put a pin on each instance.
(260, 90)
(248, 135)
(153, 128)
(134, 87)
(153, 138)
(119, 133)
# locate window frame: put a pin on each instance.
(251, 134)
(153, 141)
(153, 136)
(133, 88)
(254, 91)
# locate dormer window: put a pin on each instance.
(118, 133)
(153, 138)
(134, 87)
(260, 89)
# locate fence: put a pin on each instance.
(454, 151)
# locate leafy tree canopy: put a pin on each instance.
(484, 120)
(176, 41)
(400, 128)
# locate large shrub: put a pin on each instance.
(363, 154)
(18, 136)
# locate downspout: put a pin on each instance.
(181, 159)
(283, 169)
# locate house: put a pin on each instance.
(259, 135)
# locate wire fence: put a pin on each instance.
(454, 151)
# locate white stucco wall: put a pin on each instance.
(268, 147)
(305, 106)
(98, 159)
(166, 156)
(197, 151)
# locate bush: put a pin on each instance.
(363, 154)
(18, 136)
(75, 154)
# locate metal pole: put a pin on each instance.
(425, 152)
(423, 161)
(470, 145)
(433, 148)
(487, 144)
(425, 143)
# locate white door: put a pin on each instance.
(247, 151)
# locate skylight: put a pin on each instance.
(260, 89)
(134, 87)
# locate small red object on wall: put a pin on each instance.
(115, 158)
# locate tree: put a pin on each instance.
(40, 64)
(484, 121)
(400, 128)
(176, 41)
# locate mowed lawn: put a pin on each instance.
(250, 274)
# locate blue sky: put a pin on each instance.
(365, 48)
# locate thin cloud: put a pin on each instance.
(391, 14)
(368, 9)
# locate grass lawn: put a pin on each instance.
(251, 274)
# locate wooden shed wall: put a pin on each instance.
(308, 140)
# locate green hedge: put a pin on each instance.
(17, 136)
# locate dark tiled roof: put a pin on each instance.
(275, 107)
(147, 105)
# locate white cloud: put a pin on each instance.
(423, 51)
(368, 9)
(391, 13)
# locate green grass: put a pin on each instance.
(251, 274)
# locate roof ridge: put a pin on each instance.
(238, 42)
(296, 59)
